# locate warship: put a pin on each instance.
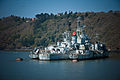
(75, 47)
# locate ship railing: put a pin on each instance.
(49, 52)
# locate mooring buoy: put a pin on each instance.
(74, 60)
(19, 59)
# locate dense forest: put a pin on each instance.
(45, 29)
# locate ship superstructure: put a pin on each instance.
(77, 46)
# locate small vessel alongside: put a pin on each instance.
(75, 47)
(34, 54)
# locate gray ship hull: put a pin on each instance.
(91, 55)
(83, 57)
(61, 56)
(53, 56)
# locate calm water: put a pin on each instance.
(28, 69)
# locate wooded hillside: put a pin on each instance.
(46, 29)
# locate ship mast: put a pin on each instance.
(80, 30)
(67, 37)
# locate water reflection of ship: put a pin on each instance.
(76, 47)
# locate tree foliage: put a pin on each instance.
(46, 29)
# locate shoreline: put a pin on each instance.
(19, 50)
(115, 54)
